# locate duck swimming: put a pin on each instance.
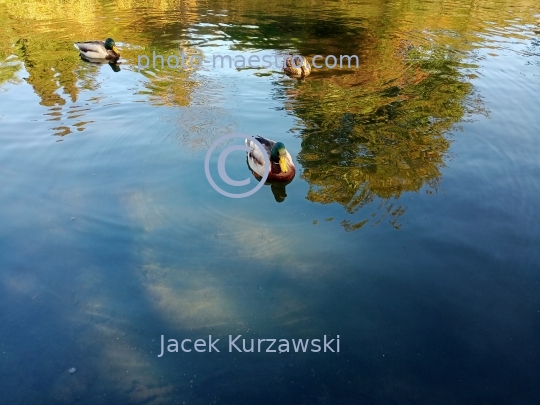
(292, 70)
(98, 50)
(281, 165)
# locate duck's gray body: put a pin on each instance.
(95, 50)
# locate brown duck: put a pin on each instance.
(292, 70)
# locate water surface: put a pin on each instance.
(411, 229)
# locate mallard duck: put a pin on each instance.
(98, 50)
(281, 165)
(291, 70)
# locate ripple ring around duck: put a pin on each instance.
(221, 166)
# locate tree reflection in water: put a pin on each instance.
(378, 132)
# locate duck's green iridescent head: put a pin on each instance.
(279, 154)
(111, 45)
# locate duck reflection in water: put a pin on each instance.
(115, 66)
(278, 188)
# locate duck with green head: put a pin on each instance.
(281, 165)
(99, 50)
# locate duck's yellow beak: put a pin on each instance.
(115, 50)
(283, 165)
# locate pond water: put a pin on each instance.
(411, 229)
